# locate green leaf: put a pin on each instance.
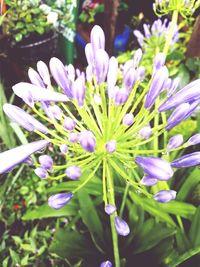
(188, 186)
(45, 211)
(91, 218)
(175, 55)
(20, 25)
(194, 232)
(18, 37)
(191, 252)
(150, 235)
(68, 244)
(14, 256)
(24, 260)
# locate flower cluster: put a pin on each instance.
(105, 120)
(156, 34)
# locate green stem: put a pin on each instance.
(124, 199)
(112, 217)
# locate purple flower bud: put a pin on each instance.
(58, 201)
(139, 36)
(159, 61)
(44, 72)
(97, 99)
(178, 115)
(46, 162)
(38, 93)
(145, 132)
(137, 57)
(167, 84)
(35, 78)
(69, 124)
(130, 78)
(164, 196)
(194, 140)
(101, 65)
(121, 226)
(89, 53)
(174, 85)
(29, 161)
(127, 66)
(89, 73)
(42, 173)
(147, 32)
(189, 93)
(175, 142)
(73, 137)
(157, 168)
(111, 146)
(63, 148)
(60, 75)
(128, 119)
(148, 181)
(110, 209)
(156, 86)
(140, 73)
(24, 119)
(106, 264)
(121, 96)
(71, 72)
(97, 38)
(87, 141)
(56, 111)
(79, 90)
(73, 172)
(186, 161)
(10, 158)
(112, 75)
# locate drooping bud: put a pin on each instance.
(121, 96)
(175, 142)
(194, 140)
(44, 72)
(128, 119)
(148, 181)
(73, 172)
(63, 148)
(10, 158)
(59, 74)
(58, 201)
(69, 124)
(121, 226)
(188, 94)
(97, 38)
(110, 209)
(178, 115)
(145, 132)
(137, 57)
(186, 161)
(106, 264)
(73, 137)
(111, 146)
(157, 168)
(23, 90)
(42, 173)
(34, 77)
(164, 196)
(87, 141)
(46, 162)
(24, 119)
(156, 86)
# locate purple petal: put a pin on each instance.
(148, 181)
(10, 158)
(46, 162)
(87, 141)
(106, 264)
(111, 146)
(44, 72)
(186, 161)
(137, 57)
(130, 78)
(73, 137)
(175, 142)
(42, 173)
(110, 209)
(101, 65)
(89, 53)
(128, 119)
(164, 196)
(157, 168)
(24, 119)
(69, 124)
(178, 115)
(35, 78)
(97, 38)
(145, 132)
(58, 201)
(79, 90)
(121, 96)
(63, 148)
(194, 140)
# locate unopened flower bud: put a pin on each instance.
(87, 141)
(145, 132)
(194, 140)
(110, 209)
(73, 172)
(69, 124)
(63, 148)
(73, 137)
(121, 226)
(106, 264)
(111, 146)
(175, 142)
(148, 181)
(128, 119)
(46, 162)
(58, 201)
(42, 173)
(164, 196)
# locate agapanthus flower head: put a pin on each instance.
(156, 33)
